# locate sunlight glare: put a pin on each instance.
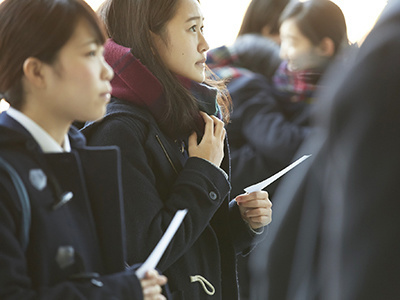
(223, 17)
(361, 16)
(3, 105)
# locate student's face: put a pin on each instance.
(79, 79)
(297, 49)
(184, 48)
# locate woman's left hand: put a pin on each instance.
(255, 208)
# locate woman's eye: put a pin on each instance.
(91, 53)
(193, 28)
(201, 29)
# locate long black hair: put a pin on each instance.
(130, 24)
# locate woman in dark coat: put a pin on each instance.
(172, 151)
(60, 212)
(262, 139)
(272, 113)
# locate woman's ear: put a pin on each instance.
(327, 47)
(33, 71)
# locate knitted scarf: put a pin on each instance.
(134, 83)
(223, 62)
(298, 86)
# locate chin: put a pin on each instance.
(197, 79)
(201, 78)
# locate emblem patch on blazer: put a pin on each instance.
(38, 179)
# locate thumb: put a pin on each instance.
(193, 139)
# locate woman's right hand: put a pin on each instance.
(151, 285)
(211, 146)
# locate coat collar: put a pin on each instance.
(21, 136)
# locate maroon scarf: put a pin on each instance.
(135, 83)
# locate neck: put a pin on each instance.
(53, 124)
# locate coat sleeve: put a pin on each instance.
(15, 282)
(200, 187)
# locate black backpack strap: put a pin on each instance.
(24, 200)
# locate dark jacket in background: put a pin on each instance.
(76, 250)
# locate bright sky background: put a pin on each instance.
(223, 19)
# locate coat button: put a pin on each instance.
(96, 282)
(212, 195)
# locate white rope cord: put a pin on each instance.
(203, 282)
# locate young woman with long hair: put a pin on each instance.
(167, 118)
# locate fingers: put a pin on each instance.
(258, 213)
(258, 217)
(259, 195)
(213, 126)
(153, 278)
(209, 124)
(151, 291)
(192, 141)
(151, 285)
(219, 128)
(255, 208)
(211, 146)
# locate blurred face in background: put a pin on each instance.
(297, 49)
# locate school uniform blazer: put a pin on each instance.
(158, 179)
(75, 249)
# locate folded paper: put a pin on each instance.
(155, 256)
(263, 184)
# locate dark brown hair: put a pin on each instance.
(318, 19)
(262, 13)
(37, 28)
(130, 23)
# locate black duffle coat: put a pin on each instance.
(75, 250)
(159, 179)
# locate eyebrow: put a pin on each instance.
(194, 18)
(89, 42)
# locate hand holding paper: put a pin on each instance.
(263, 184)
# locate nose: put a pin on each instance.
(107, 72)
(203, 45)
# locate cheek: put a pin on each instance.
(84, 75)
(297, 53)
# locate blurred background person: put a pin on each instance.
(272, 103)
(248, 66)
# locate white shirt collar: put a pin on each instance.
(45, 141)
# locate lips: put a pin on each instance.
(106, 95)
(201, 62)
